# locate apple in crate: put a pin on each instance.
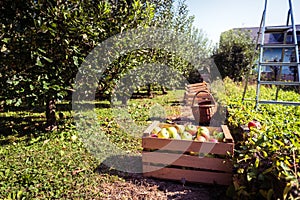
(200, 138)
(180, 128)
(186, 136)
(214, 140)
(173, 133)
(163, 133)
(192, 129)
(204, 132)
(218, 135)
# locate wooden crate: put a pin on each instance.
(196, 85)
(173, 159)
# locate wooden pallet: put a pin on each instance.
(173, 159)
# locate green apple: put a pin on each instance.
(177, 136)
(172, 131)
(192, 129)
(180, 128)
(163, 133)
(186, 136)
(220, 136)
(204, 132)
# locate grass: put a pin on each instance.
(43, 165)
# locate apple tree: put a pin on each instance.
(43, 44)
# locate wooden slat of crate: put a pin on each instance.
(192, 94)
(185, 145)
(196, 85)
(183, 160)
(188, 175)
(180, 166)
(196, 89)
(227, 135)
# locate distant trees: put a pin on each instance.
(234, 53)
(170, 17)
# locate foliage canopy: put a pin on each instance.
(234, 56)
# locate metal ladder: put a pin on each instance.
(263, 30)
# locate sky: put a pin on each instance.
(217, 16)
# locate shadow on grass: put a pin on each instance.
(172, 189)
(14, 128)
(25, 128)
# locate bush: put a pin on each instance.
(266, 160)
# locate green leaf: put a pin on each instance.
(38, 62)
(18, 103)
(268, 170)
(270, 194)
(48, 59)
(5, 40)
(54, 25)
(256, 162)
(41, 50)
(286, 190)
(75, 59)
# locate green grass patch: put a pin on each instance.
(39, 164)
(44, 165)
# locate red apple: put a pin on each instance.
(213, 140)
(204, 132)
(254, 124)
(153, 135)
(201, 138)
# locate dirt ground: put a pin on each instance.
(138, 187)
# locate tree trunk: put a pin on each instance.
(149, 92)
(50, 115)
(163, 89)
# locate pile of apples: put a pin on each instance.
(187, 132)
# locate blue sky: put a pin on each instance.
(216, 16)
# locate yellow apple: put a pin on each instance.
(186, 136)
(163, 133)
(172, 132)
(180, 128)
(192, 129)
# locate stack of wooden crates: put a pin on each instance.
(189, 161)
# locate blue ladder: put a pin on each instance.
(293, 62)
